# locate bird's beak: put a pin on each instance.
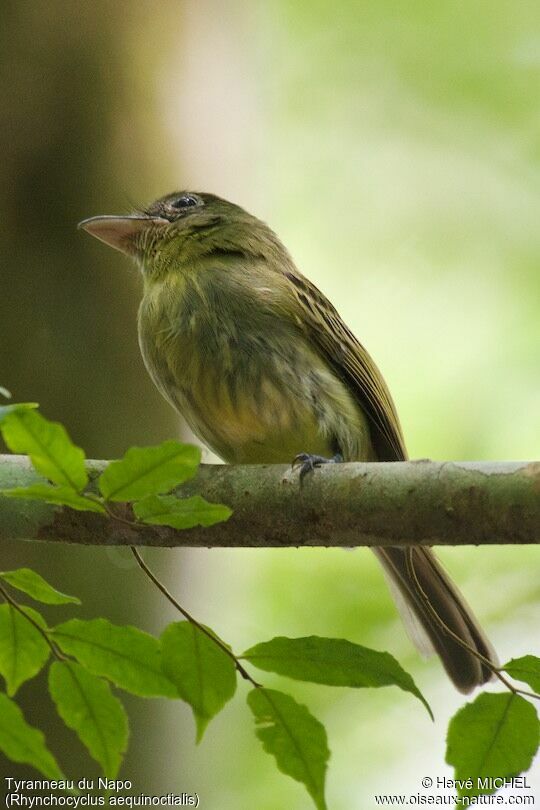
(119, 232)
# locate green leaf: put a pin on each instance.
(526, 669)
(149, 471)
(21, 742)
(23, 650)
(86, 704)
(294, 737)
(57, 495)
(4, 392)
(125, 655)
(180, 513)
(204, 675)
(495, 736)
(15, 407)
(28, 581)
(51, 451)
(332, 661)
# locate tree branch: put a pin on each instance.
(417, 502)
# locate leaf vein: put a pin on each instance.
(294, 742)
(92, 714)
(147, 471)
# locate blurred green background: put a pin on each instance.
(395, 147)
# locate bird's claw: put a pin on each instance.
(307, 462)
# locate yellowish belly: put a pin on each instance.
(264, 426)
(254, 391)
(257, 422)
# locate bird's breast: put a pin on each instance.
(244, 377)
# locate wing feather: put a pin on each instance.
(352, 363)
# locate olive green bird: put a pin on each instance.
(262, 367)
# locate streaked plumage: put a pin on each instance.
(262, 367)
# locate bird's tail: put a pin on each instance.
(431, 603)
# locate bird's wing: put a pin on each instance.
(352, 363)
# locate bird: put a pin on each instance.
(264, 370)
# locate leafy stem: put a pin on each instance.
(168, 595)
(15, 605)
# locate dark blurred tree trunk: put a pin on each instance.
(73, 127)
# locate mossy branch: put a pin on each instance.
(417, 502)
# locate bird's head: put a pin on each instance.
(184, 227)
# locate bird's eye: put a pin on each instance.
(186, 201)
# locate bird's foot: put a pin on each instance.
(307, 462)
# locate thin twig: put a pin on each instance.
(15, 605)
(442, 624)
(243, 672)
(112, 514)
(168, 595)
